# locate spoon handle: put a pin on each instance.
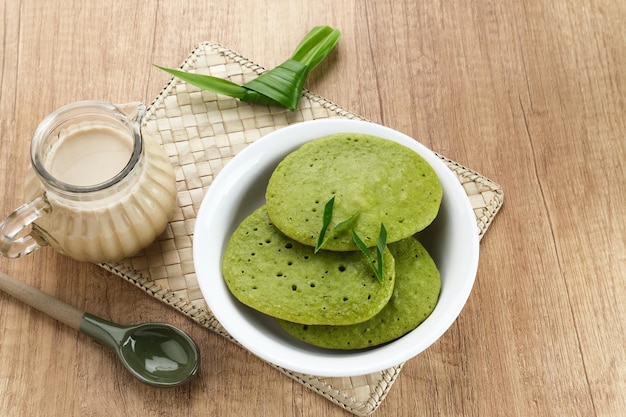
(43, 302)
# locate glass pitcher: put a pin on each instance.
(97, 190)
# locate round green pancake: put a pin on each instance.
(381, 180)
(283, 278)
(414, 298)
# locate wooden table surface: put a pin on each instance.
(530, 94)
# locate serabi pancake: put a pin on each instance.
(415, 295)
(383, 181)
(280, 277)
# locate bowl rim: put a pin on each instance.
(238, 174)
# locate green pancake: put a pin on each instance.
(280, 277)
(414, 297)
(381, 180)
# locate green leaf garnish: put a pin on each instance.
(340, 227)
(220, 86)
(362, 246)
(375, 263)
(281, 85)
(328, 215)
(381, 244)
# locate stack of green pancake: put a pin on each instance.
(332, 297)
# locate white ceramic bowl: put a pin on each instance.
(452, 240)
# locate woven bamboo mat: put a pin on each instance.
(201, 132)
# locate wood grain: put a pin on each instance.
(530, 94)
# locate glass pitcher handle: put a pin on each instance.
(12, 246)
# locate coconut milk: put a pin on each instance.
(89, 154)
(124, 219)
